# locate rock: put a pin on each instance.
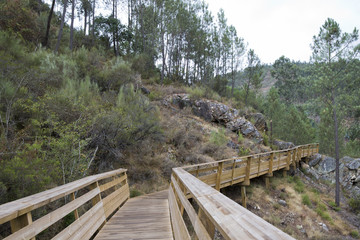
(346, 160)
(246, 128)
(144, 90)
(304, 165)
(283, 145)
(313, 173)
(354, 164)
(355, 191)
(182, 100)
(324, 227)
(327, 165)
(282, 203)
(357, 179)
(259, 121)
(232, 145)
(315, 159)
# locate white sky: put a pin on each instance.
(285, 27)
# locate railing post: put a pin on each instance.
(22, 221)
(233, 172)
(247, 172)
(270, 171)
(218, 176)
(197, 171)
(209, 226)
(317, 148)
(76, 213)
(243, 196)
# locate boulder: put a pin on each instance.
(315, 159)
(181, 100)
(282, 203)
(245, 128)
(259, 121)
(283, 145)
(357, 179)
(346, 160)
(312, 172)
(304, 165)
(327, 165)
(354, 164)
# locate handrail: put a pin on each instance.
(216, 210)
(106, 191)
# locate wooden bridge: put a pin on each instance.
(193, 207)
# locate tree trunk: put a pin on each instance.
(337, 168)
(72, 25)
(85, 21)
(61, 26)
(45, 42)
(93, 23)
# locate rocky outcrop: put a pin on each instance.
(213, 111)
(323, 167)
(259, 121)
(283, 145)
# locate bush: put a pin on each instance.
(354, 203)
(333, 205)
(218, 137)
(323, 214)
(198, 92)
(299, 185)
(306, 200)
(355, 234)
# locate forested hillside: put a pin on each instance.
(86, 99)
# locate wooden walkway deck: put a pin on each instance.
(143, 217)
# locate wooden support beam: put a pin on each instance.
(233, 172)
(76, 213)
(270, 172)
(247, 172)
(22, 221)
(267, 182)
(284, 173)
(243, 196)
(218, 176)
(197, 171)
(209, 226)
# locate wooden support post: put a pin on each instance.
(247, 172)
(259, 164)
(76, 213)
(197, 171)
(22, 221)
(209, 226)
(243, 196)
(267, 182)
(270, 172)
(293, 153)
(317, 148)
(233, 172)
(218, 176)
(284, 173)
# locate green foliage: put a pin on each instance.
(243, 151)
(352, 148)
(354, 203)
(218, 137)
(333, 205)
(198, 92)
(306, 200)
(355, 234)
(299, 185)
(240, 138)
(323, 214)
(135, 193)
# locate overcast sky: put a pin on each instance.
(285, 27)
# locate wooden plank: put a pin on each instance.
(44, 222)
(178, 225)
(143, 217)
(111, 184)
(71, 231)
(232, 220)
(21, 206)
(194, 219)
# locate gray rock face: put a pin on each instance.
(217, 112)
(346, 160)
(259, 119)
(354, 164)
(314, 160)
(283, 145)
(327, 165)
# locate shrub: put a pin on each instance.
(354, 203)
(299, 185)
(218, 137)
(240, 138)
(306, 200)
(134, 192)
(323, 214)
(355, 234)
(333, 205)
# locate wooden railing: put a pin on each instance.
(215, 210)
(92, 200)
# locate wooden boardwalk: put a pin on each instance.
(143, 217)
